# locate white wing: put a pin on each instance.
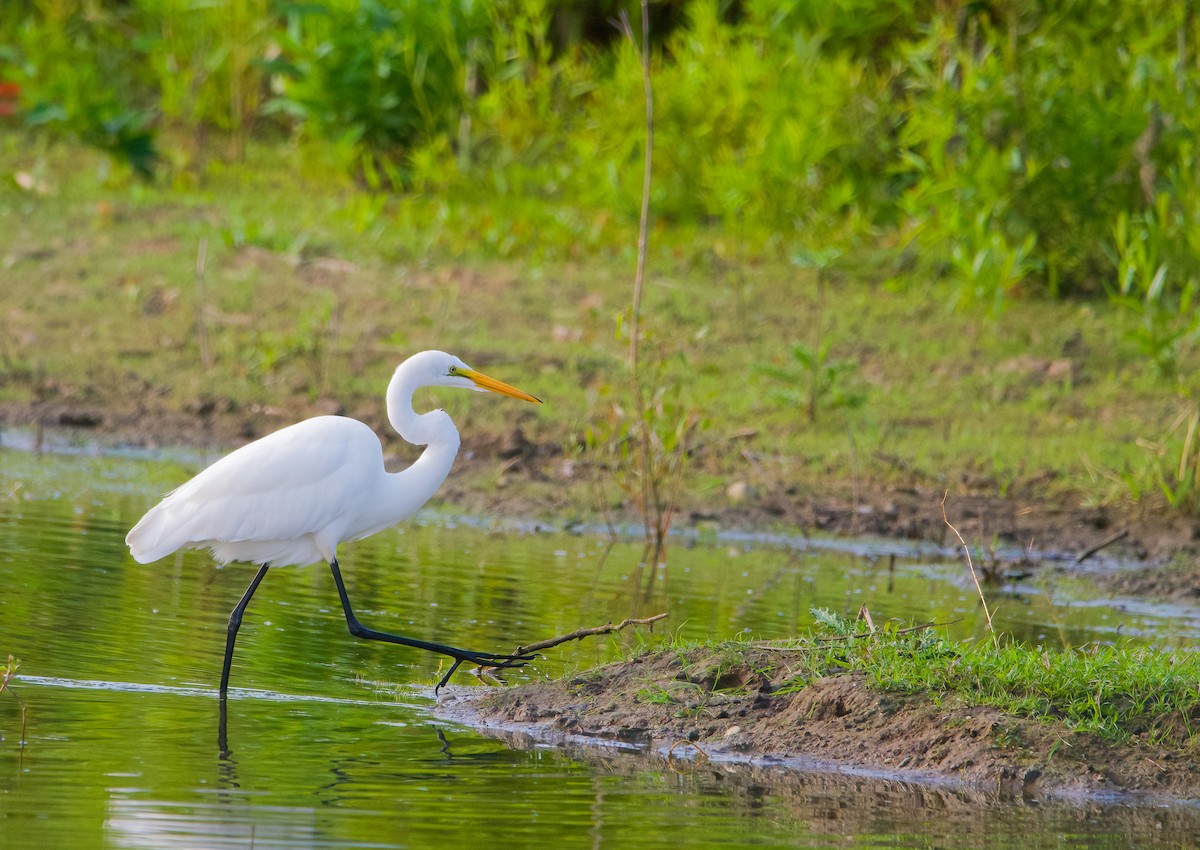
(291, 487)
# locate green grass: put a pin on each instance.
(314, 289)
(1113, 692)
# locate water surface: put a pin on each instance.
(332, 742)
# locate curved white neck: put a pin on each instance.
(421, 429)
(412, 487)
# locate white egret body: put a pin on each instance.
(291, 497)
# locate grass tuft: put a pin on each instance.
(1113, 692)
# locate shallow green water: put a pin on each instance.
(333, 742)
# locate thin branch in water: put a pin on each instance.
(1106, 542)
(579, 634)
(974, 575)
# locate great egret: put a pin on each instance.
(291, 497)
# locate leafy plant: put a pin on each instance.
(989, 265)
(815, 379)
(78, 78)
(208, 62)
(1175, 460)
(646, 449)
(388, 74)
(833, 622)
(1160, 298)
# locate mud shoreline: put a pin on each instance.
(834, 725)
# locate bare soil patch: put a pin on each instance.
(686, 700)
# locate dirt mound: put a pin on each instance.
(691, 701)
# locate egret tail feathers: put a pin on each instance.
(155, 536)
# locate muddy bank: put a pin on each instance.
(688, 701)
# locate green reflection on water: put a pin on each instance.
(360, 762)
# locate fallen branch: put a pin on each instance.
(579, 634)
(1107, 541)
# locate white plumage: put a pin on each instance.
(290, 497)
(293, 496)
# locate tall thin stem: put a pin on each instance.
(644, 221)
(201, 305)
(974, 576)
(651, 519)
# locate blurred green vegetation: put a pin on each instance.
(982, 189)
(1013, 145)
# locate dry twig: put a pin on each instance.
(974, 575)
(579, 634)
(864, 614)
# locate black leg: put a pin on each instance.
(235, 622)
(482, 659)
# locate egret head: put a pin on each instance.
(438, 368)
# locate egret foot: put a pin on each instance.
(483, 659)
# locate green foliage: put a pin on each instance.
(1174, 461)
(734, 140)
(976, 153)
(1019, 133)
(388, 75)
(78, 77)
(833, 622)
(815, 379)
(990, 267)
(207, 61)
(1004, 146)
(1112, 691)
(1157, 281)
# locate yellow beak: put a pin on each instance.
(492, 385)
